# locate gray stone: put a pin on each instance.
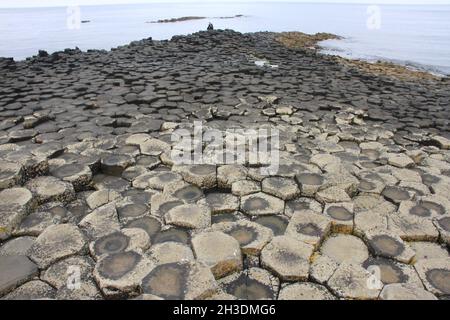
(170, 252)
(309, 227)
(435, 275)
(203, 176)
(120, 274)
(32, 290)
(245, 187)
(400, 291)
(283, 188)
(15, 270)
(11, 174)
(261, 204)
(55, 243)
(190, 216)
(17, 246)
(251, 284)
(288, 258)
(180, 281)
(251, 236)
(351, 281)
(221, 202)
(305, 291)
(51, 189)
(345, 248)
(101, 221)
(219, 251)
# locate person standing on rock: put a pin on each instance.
(210, 26)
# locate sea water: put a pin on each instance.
(417, 36)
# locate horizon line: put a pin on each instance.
(221, 2)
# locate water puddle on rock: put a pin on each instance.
(117, 265)
(249, 289)
(167, 281)
(243, 234)
(148, 224)
(440, 279)
(173, 234)
(189, 194)
(386, 246)
(113, 243)
(223, 217)
(340, 213)
(277, 224)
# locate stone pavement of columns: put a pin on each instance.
(359, 208)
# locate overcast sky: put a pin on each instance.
(35, 3)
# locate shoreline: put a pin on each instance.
(299, 40)
(303, 41)
(90, 175)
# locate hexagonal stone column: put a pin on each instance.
(180, 281)
(101, 221)
(219, 251)
(228, 174)
(309, 227)
(32, 290)
(305, 291)
(332, 194)
(203, 176)
(309, 183)
(125, 240)
(261, 204)
(170, 252)
(251, 284)
(282, 188)
(79, 175)
(15, 270)
(115, 164)
(47, 189)
(120, 274)
(351, 281)
(341, 215)
(11, 174)
(56, 242)
(389, 245)
(345, 248)
(288, 258)
(221, 202)
(435, 275)
(401, 291)
(190, 216)
(251, 236)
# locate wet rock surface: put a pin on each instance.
(89, 182)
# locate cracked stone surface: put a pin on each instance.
(261, 204)
(121, 273)
(15, 270)
(345, 248)
(251, 284)
(223, 259)
(309, 227)
(305, 291)
(435, 274)
(88, 177)
(252, 237)
(180, 281)
(399, 291)
(288, 258)
(56, 242)
(351, 281)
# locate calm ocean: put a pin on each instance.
(414, 35)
